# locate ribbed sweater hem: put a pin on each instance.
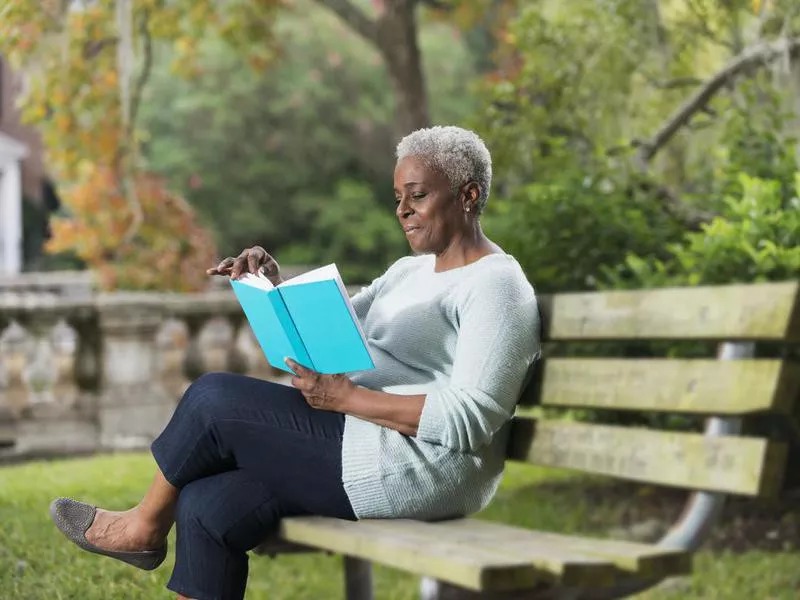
(361, 476)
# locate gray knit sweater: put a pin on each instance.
(464, 337)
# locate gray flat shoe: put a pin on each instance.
(74, 519)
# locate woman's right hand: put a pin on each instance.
(251, 260)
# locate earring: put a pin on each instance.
(467, 209)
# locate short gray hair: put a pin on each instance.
(457, 153)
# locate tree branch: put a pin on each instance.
(354, 17)
(436, 4)
(128, 186)
(679, 82)
(750, 58)
(144, 75)
(92, 48)
(692, 218)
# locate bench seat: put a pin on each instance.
(482, 555)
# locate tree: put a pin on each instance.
(261, 155)
(84, 94)
(596, 80)
(618, 109)
(85, 91)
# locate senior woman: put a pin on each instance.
(452, 331)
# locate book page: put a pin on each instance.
(329, 272)
(320, 274)
(259, 281)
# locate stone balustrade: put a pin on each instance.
(98, 372)
(64, 284)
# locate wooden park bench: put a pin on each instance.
(470, 558)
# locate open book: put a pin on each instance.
(308, 318)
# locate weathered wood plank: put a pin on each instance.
(644, 560)
(414, 550)
(764, 311)
(713, 387)
(723, 464)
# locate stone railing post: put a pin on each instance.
(41, 372)
(194, 363)
(237, 360)
(133, 404)
(86, 368)
(7, 417)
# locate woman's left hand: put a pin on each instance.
(324, 392)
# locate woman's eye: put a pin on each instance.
(418, 196)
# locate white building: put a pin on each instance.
(22, 176)
(12, 153)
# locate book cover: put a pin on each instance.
(308, 318)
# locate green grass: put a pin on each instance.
(36, 563)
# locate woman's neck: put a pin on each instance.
(465, 251)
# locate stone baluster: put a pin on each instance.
(86, 361)
(50, 424)
(194, 363)
(133, 405)
(41, 371)
(238, 361)
(8, 432)
(5, 321)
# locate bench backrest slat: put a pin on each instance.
(767, 311)
(724, 464)
(698, 386)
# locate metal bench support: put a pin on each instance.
(357, 579)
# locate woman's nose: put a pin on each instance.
(402, 209)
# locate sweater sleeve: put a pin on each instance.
(497, 342)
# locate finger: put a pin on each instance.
(253, 262)
(239, 266)
(270, 266)
(299, 369)
(222, 268)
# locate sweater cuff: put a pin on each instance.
(432, 421)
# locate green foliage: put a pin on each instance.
(757, 240)
(755, 187)
(271, 158)
(564, 232)
(755, 138)
(349, 230)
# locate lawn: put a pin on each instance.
(36, 563)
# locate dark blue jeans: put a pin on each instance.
(244, 453)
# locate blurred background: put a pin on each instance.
(636, 143)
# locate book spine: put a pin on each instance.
(300, 353)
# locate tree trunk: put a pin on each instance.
(398, 44)
(394, 34)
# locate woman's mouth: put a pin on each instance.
(410, 229)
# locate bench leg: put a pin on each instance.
(357, 579)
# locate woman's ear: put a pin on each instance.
(471, 192)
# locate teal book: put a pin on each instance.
(308, 318)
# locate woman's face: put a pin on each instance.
(427, 209)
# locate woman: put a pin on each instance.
(452, 331)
